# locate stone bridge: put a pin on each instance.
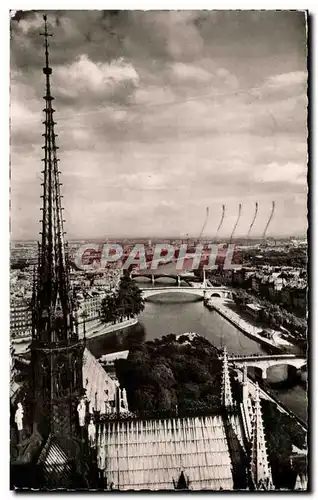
(154, 276)
(200, 291)
(263, 363)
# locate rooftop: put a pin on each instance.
(96, 381)
(152, 454)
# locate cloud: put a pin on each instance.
(287, 79)
(278, 172)
(99, 80)
(160, 114)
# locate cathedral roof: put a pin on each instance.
(152, 454)
(96, 381)
(56, 467)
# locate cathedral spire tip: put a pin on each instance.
(226, 391)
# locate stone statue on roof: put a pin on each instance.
(81, 410)
(124, 399)
(106, 401)
(101, 459)
(91, 433)
(19, 417)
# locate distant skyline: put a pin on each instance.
(157, 239)
(160, 115)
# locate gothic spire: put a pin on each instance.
(54, 320)
(247, 408)
(260, 470)
(226, 391)
(245, 383)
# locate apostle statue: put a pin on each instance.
(124, 399)
(91, 433)
(19, 417)
(101, 461)
(106, 401)
(81, 410)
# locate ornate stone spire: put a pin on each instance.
(260, 470)
(54, 319)
(248, 413)
(245, 382)
(226, 391)
(57, 352)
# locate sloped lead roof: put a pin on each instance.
(96, 382)
(56, 466)
(152, 454)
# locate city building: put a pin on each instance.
(20, 319)
(89, 308)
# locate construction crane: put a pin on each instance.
(204, 223)
(236, 223)
(269, 220)
(221, 221)
(253, 221)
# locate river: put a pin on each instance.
(176, 313)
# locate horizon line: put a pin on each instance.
(173, 237)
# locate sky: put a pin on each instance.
(161, 114)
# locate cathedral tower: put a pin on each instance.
(56, 349)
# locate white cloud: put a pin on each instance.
(286, 79)
(181, 72)
(282, 172)
(84, 76)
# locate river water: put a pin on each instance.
(181, 313)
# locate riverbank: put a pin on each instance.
(267, 393)
(241, 324)
(96, 328)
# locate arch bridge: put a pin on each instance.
(265, 362)
(200, 291)
(153, 277)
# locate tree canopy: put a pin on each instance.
(169, 373)
(126, 302)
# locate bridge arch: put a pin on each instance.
(157, 276)
(282, 372)
(287, 363)
(199, 291)
(143, 276)
(152, 292)
(257, 371)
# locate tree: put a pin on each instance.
(186, 375)
(109, 309)
(127, 302)
(129, 297)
